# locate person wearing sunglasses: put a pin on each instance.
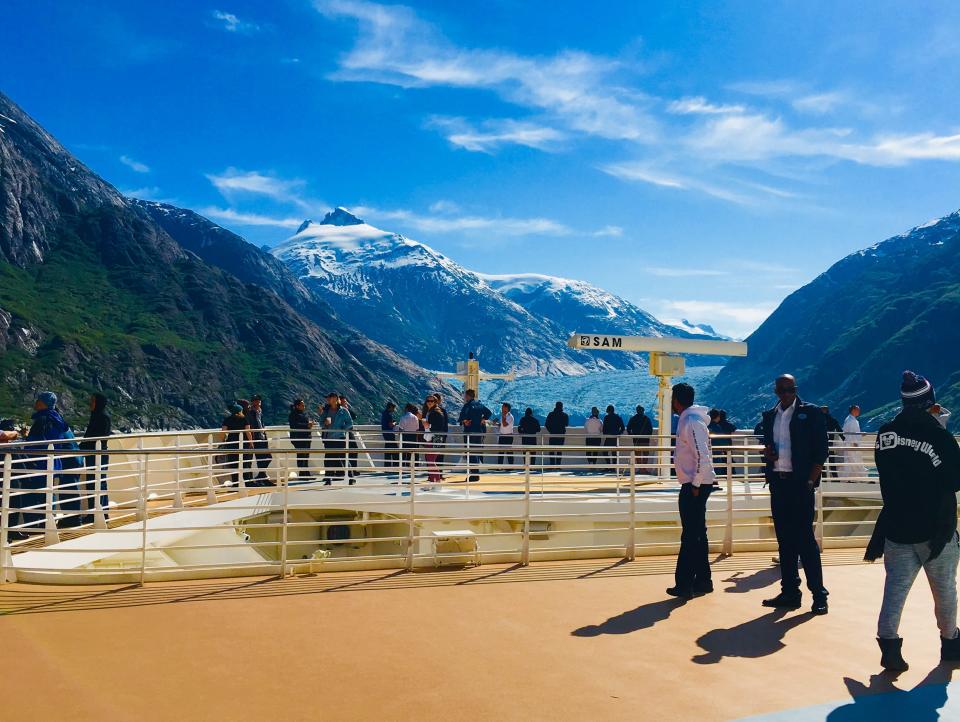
(795, 450)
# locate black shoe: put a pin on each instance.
(890, 655)
(783, 601)
(681, 592)
(950, 649)
(352, 481)
(474, 478)
(327, 482)
(819, 607)
(701, 589)
(14, 536)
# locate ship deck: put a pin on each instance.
(563, 640)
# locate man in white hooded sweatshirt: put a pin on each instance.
(693, 460)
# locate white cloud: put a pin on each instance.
(642, 172)
(147, 193)
(442, 206)
(134, 165)
(608, 231)
(234, 182)
(495, 133)
(700, 106)
(820, 103)
(394, 46)
(230, 215)
(496, 225)
(743, 318)
(232, 24)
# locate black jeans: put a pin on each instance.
(592, 455)
(90, 486)
(391, 459)
(475, 442)
(611, 456)
(530, 441)
(504, 454)
(334, 464)
(554, 459)
(693, 561)
(303, 460)
(262, 460)
(792, 504)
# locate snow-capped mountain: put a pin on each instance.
(423, 304)
(579, 306)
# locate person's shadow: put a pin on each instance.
(643, 617)
(757, 638)
(881, 700)
(757, 580)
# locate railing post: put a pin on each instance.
(211, 457)
(241, 481)
(99, 513)
(412, 526)
(6, 559)
(632, 530)
(728, 526)
(142, 506)
(285, 483)
(818, 495)
(469, 475)
(50, 533)
(143, 463)
(525, 552)
(177, 495)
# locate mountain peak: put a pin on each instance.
(339, 216)
(305, 225)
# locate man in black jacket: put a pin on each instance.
(641, 429)
(795, 449)
(919, 465)
(834, 434)
(99, 425)
(556, 424)
(529, 428)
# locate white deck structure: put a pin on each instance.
(180, 507)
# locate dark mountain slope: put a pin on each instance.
(95, 295)
(849, 334)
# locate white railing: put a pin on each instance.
(129, 507)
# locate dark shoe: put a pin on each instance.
(680, 592)
(701, 589)
(890, 655)
(352, 481)
(474, 478)
(950, 649)
(819, 607)
(784, 601)
(327, 482)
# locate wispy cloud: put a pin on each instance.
(134, 165)
(700, 106)
(747, 316)
(496, 225)
(230, 215)
(233, 183)
(396, 47)
(232, 24)
(820, 103)
(147, 193)
(642, 172)
(494, 133)
(608, 231)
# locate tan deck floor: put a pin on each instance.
(589, 640)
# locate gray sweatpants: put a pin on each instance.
(903, 562)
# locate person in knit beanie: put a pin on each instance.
(918, 461)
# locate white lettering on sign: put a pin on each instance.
(601, 341)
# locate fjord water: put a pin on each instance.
(622, 388)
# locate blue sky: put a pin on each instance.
(699, 159)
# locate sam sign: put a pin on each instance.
(601, 342)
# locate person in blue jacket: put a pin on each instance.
(48, 425)
(337, 423)
(473, 416)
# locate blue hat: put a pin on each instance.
(48, 398)
(916, 391)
